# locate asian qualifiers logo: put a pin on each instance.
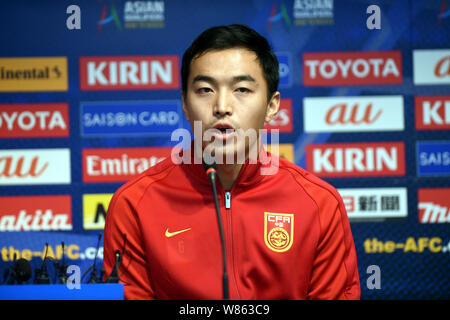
(444, 13)
(278, 15)
(104, 19)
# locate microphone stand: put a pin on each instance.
(94, 278)
(43, 274)
(211, 173)
(62, 277)
(114, 276)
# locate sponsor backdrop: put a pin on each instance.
(90, 95)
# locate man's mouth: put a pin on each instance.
(226, 131)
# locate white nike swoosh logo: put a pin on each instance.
(171, 234)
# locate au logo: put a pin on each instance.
(278, 231)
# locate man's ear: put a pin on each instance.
(183, 104)
(272, 107)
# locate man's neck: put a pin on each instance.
(228, 174)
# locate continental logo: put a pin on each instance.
(95, 207)
(285, 151)
(33, 74)
(411, 244)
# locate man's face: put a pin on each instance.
(227, 91)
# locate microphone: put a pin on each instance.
(42, 272)
(114, 276)
(8, 270)
(21, 271)
(210, 166)
(102, 273)
(94, 278)
(62, 276)
(5, 275)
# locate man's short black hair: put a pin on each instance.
(233, 36)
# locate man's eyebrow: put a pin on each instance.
(235, 79)
(203, 78)
(245, 77)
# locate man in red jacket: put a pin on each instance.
(286, 232)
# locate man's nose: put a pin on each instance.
(223, 104)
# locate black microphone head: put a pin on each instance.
(209, 162)
(22, 269)
(118, 255)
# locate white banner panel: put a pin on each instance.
(35, 166)
(431, 66)
(375, 203)
(353, 114)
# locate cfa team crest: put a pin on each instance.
(278, 231)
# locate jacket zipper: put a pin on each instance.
(227, 200)
(230, 244)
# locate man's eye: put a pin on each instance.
(204, 90)
(243, 90)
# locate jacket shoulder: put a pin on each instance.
(310, 182)
(133, 189)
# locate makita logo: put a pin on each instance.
(129, 73)
(352, 68)
(117, 165)
(37, 221)
(35, 213)
(431, 67)
(34, 166)
(348, 114)
(356, 159)
(432, 113)
(34, 120)
(434, 205)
